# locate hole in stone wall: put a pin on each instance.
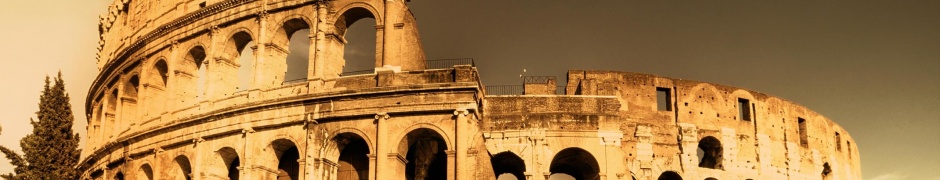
(838, 142)
(663, 99)
(669, 175)
(744, 109)
(710, 151)
(803, 136)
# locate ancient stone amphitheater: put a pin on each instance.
(200, 89)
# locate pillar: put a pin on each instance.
(462, 143)
(382, 145)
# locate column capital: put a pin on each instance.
(382, 116)
(461, 112)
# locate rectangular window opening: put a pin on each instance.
(803, 136)
(744, 109)
(202, 4)
(663, 97)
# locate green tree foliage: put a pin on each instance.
(51, 151)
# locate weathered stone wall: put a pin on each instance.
(168, 104)
(762, 140)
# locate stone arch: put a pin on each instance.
(155, 86)
(226, 163)
(357, 132)
(129, 98)
(181, 169)
(403, 135)
(372, 10)
(194, 70)
(575, 162)
(352, 152)
(425, 152)
(145, 172)
(507, 162)
(710, 151)
(669, 175)
(239, 51)
(282, 159)
(111, 123)
(294, 48)
(358, 41)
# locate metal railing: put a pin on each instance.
(505, 90)
(537, 79)
(448, 63)
(359, 72)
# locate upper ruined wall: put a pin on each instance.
(772, 137)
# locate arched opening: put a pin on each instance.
(230, 161)
(711, 178)
(297, 33)
(425, 152)
(575, 162)
(286, 154)
(129, 100)
(508, 163)
(155, 84)
(197, 56)
(110, 114)
(357, 27)
(507, 176)
(353, 157)
(669, 175)
(241, 49)
(145, 172)
(119, 176)
(183, 170)
(710, 152)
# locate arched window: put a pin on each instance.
(669, 175)
(145, 172)
(197, 55)
(298, 56)
(229, 158)
(576, 163)
(119, 176)
(506, 164)
(353, 157)
(425, 151)
(357, 27)
(710, 153)
(182, 169)
(284, 155)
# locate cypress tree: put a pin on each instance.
(51, 151)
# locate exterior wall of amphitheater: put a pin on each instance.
(167, 104)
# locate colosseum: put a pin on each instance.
(202, 89)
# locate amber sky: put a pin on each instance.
(871, 66)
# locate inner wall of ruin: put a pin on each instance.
(169, 103)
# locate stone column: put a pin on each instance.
(390, 44)
(372, 159)
(382, 145)
(198, 168)
(462, 144)
(260, 52)
(248, 164)
(451, 164)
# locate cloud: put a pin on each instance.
(890, 176)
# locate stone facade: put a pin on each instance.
(168, 104)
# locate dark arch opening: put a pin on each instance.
(161, 70)
(669, 175)
(827, 171)
(145, 173)
(198, 56)
(426, 155)
(133, 85)
(185, 170)
(508, 162)
(710, 152)
(297, 33)
(357, 27)
(230, 159)
(353, 157)
(287, 156)
(240, 48)
(119, 176)
(577, 163)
